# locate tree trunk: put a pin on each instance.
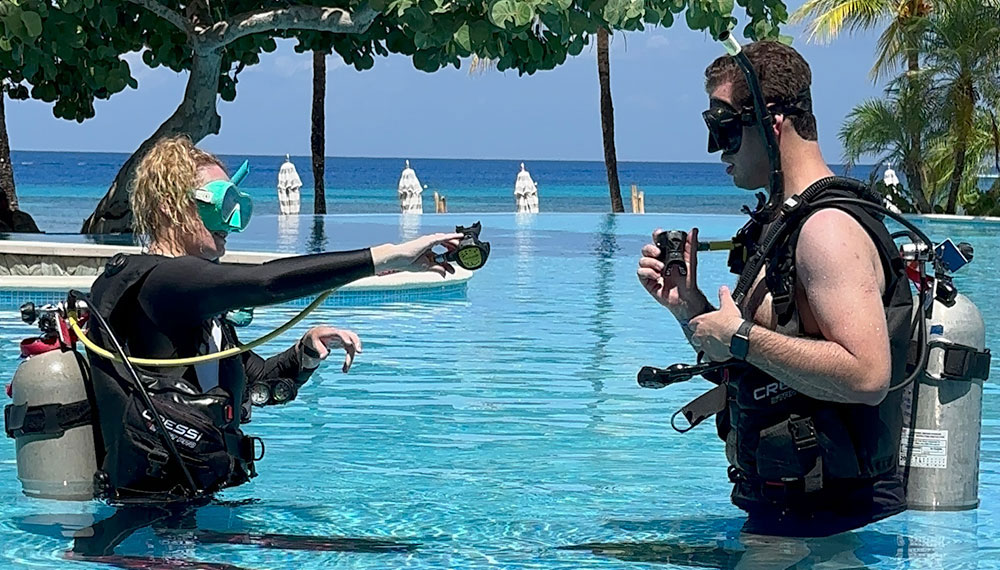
(915, 167)
(911, 167)
(964, 111)
(956, 177)
(196, 117)
(6, 167)
(964, 122)
(996, 140)
(319, 131)
(608, 121)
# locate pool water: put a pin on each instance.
(505, 429)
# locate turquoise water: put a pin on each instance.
(60, 189)
(496, 430)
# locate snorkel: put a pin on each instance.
(241, 173)
(765, 120)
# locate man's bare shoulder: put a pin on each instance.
(833, 241)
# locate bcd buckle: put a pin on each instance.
(803, 433)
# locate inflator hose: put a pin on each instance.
(174, 362)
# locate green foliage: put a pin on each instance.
(69, 52)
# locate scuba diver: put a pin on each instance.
(815, 336)
(177, 301)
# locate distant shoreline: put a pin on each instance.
(413, 158)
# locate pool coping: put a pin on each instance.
(25, 278)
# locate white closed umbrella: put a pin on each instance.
(891, 182)
(890, 178)
(525, 192)
(410, 192)
(289, 183)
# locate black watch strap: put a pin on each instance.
(739, 345)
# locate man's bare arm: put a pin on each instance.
(839, 268)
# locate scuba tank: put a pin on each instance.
(942, 422)
(50, 417)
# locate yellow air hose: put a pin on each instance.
(173, 362)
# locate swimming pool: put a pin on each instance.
(498, 429)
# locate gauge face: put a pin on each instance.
(470, 257)
(282, 391)
(260, 393)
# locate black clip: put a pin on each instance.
(791, 205)
(803, 432)
(13, 416)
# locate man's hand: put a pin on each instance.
(677, 292)
(713, 332)
(322, 339)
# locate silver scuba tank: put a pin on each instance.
(942, 420)
(50, 420)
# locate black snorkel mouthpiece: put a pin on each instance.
(472, 253)
(765, 120)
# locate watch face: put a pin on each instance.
(739, 347)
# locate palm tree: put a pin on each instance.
(898, 44)
(318, 138)
(608, 121)
(962, 47)
(941, 167)
(884, 128)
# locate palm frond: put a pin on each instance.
(890, 53)
(831, 17)
(874, 127)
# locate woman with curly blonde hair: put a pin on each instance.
(173, 301)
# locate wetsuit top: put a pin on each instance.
(181, 295)
(162, 307)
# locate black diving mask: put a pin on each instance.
(725, 127)
(725, 124)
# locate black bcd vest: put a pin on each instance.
(135, 464)
(777, 436)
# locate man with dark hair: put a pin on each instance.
(811, 426)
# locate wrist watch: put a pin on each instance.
(739, 345)
(309, 359)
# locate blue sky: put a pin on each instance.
(394, 110)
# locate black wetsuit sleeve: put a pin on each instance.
(287, 364)
(185, 291)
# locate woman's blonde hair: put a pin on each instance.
(163, 191)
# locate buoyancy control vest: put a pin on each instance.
(780, 440)
(134, 463)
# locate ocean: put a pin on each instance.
(60, 189)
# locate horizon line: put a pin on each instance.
(413, 158)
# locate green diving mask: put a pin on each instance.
(221, 204)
